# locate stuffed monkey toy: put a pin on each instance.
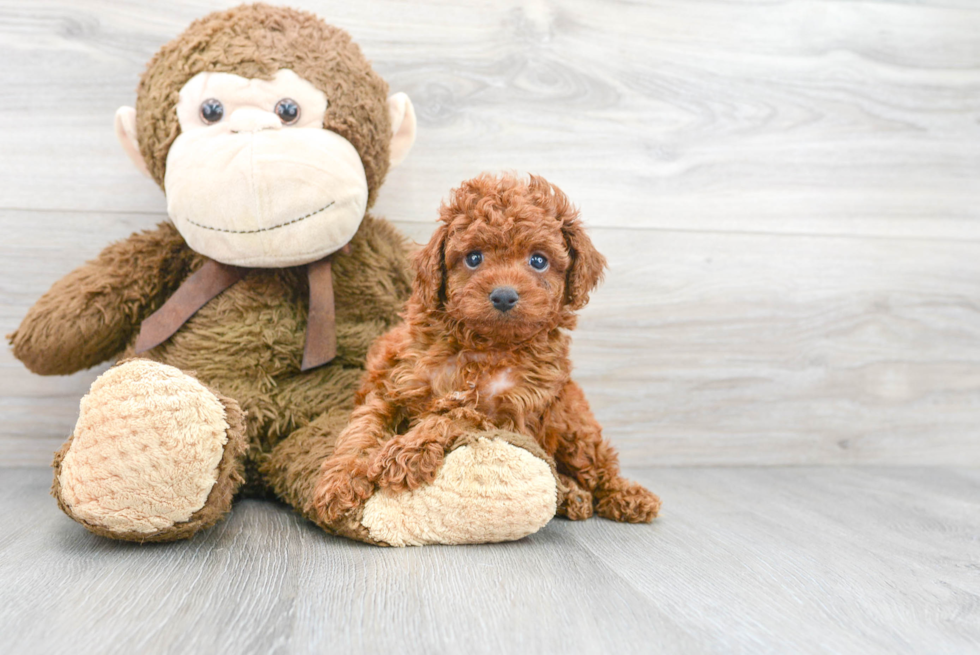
(241, 325)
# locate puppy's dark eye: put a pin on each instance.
(538, 262)
(474, 259)
(212, 110)
(288, 111)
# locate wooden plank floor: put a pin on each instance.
(743, 560)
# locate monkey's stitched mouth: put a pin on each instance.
(261, 229)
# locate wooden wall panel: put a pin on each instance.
(788, 193)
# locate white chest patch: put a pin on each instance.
(500, 382)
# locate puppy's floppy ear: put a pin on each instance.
(585, 273)
(430, 270)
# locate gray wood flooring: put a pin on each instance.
(743, 560)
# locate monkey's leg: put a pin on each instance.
(293, 468)
(155, 455)
(492, 486)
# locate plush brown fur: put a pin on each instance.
(458, 365)
(246, 344)
(89, 315)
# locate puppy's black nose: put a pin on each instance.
(504, 298)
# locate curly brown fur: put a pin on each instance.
(577, 504)
(458, 364)
(256, 41)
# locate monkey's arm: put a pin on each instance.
(89, 315)
(574, 436)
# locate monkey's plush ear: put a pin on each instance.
(402, 127)
(430, 270)
(587, 266)
(126, 133)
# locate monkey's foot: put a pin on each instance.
(155, 455)
(493, 486)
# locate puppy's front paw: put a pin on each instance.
(338, 491)
(628, 503)
(403, 467)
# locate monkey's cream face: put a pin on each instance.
(254, 179)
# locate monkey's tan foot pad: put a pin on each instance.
(492, 487)
(155, 455)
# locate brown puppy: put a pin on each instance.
(482, 348)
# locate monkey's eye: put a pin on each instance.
(538, 262)
(212, 110)
(288, 111)
(474, 259)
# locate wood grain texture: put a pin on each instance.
(764, 560)
(787, 192)
(829, 116)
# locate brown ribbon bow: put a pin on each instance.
(214, 277)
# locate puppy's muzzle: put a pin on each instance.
(504, 298)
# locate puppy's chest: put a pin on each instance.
(495, 387)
